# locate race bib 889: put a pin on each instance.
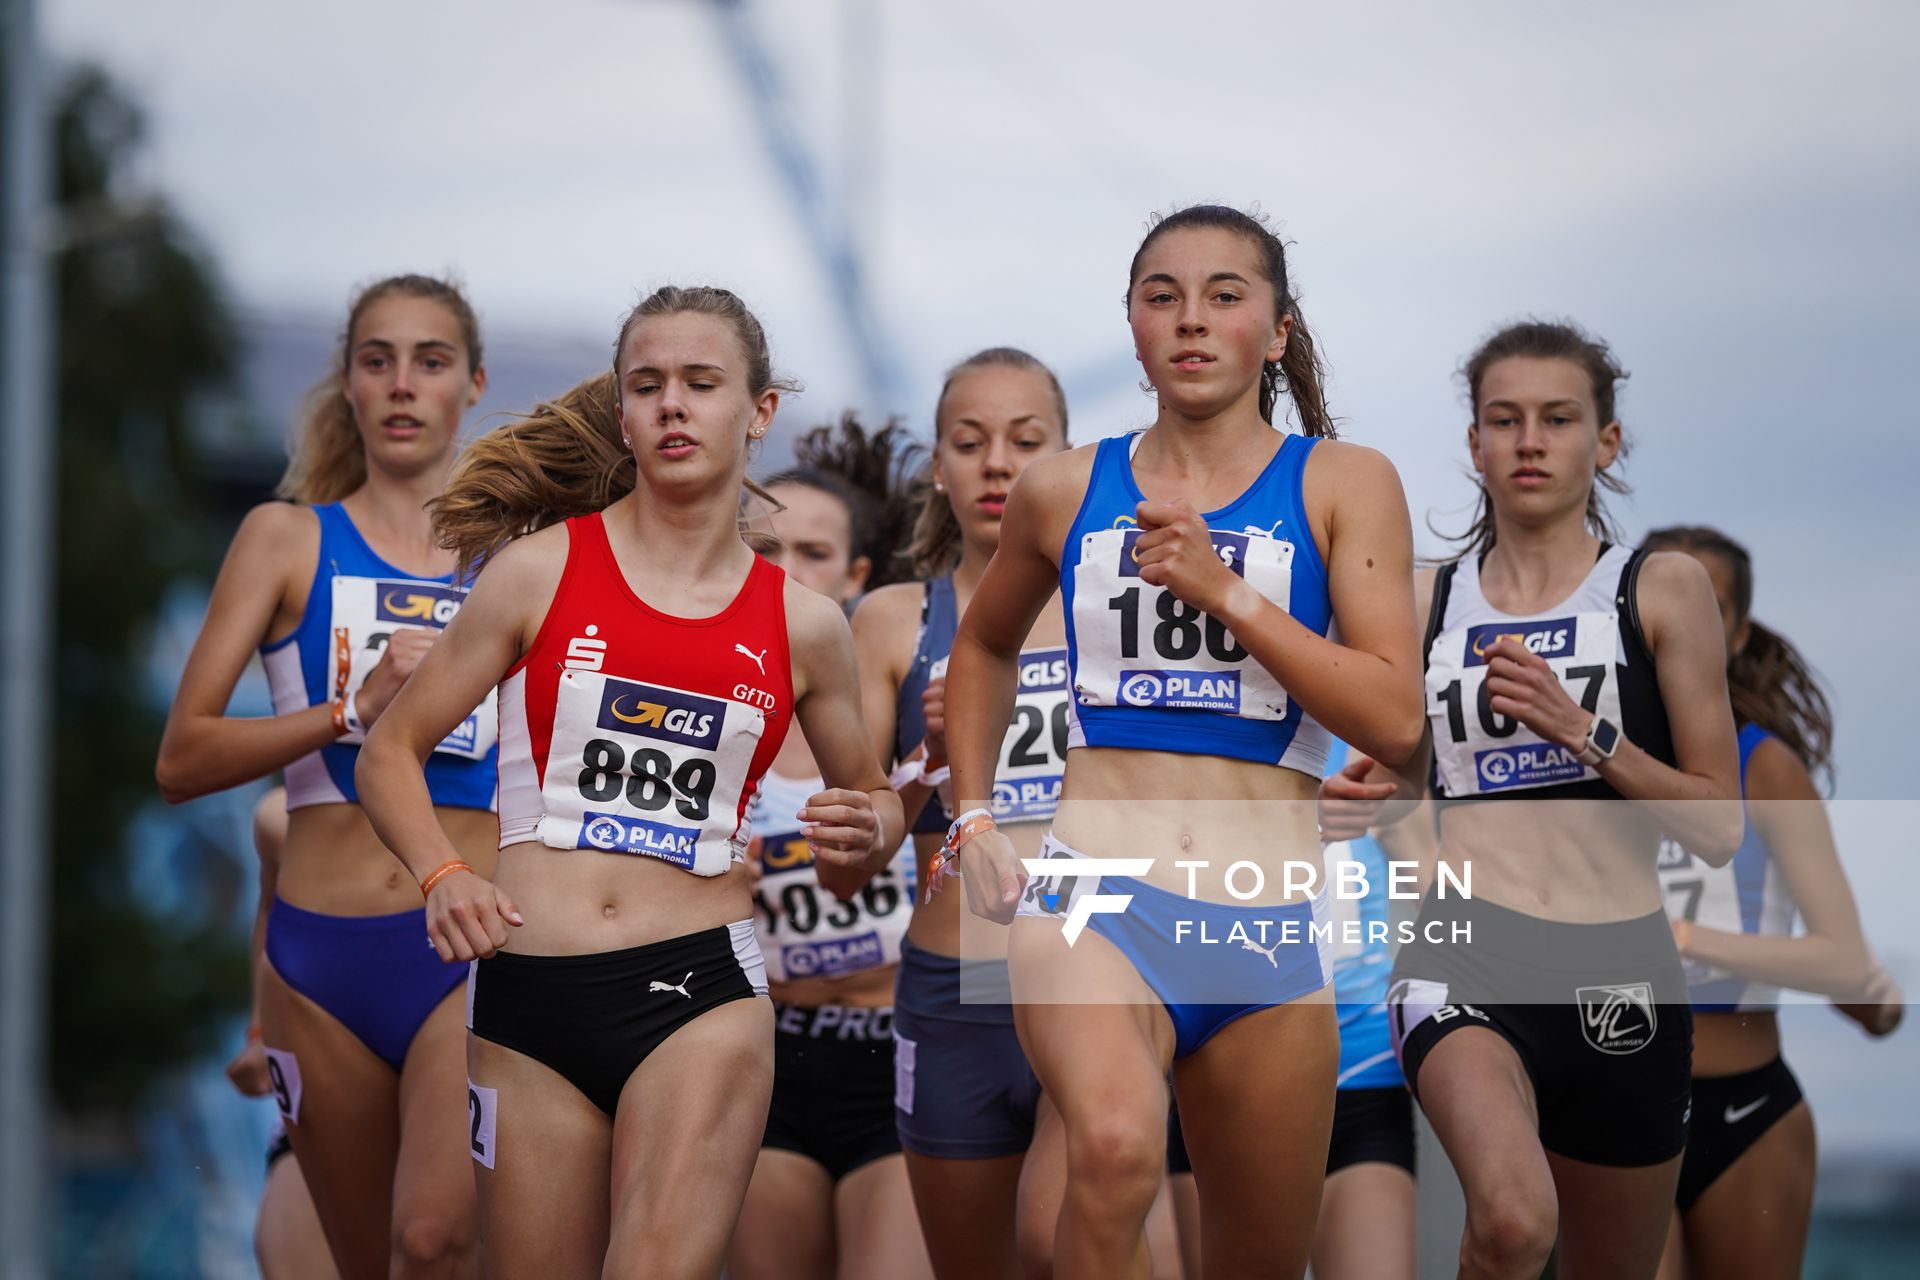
(647, 769)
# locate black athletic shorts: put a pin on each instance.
(1597, 1013)
(833, 1086)
(1730, 1114)
(1368, 1125)
(595, 1018)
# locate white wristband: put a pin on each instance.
(961, 821)
(915, 770)
(352, 714)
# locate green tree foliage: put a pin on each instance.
(144, 337)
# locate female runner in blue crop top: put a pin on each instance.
(1205, 689)
(342, 591)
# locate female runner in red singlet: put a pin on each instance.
(621, 1046)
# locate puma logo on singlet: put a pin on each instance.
(759, 659)
(1250, 945)
(681, 986)
(1255, 531)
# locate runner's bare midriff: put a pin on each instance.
(583, 902)
(334, 864)
(1574, 861)
(1174, 807)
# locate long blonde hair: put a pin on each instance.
(566, 458)
(328, 460)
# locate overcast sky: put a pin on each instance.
(1728, 193)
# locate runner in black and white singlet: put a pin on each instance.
(1235, 594)
(977, 1134)
(342, 591)
(1746, 1182)
(829, 1196)
(650, 665)
(1542, 1022)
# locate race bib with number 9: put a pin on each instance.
(647, 769)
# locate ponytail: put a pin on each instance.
(1301, 374)
(867, 473)
(1771, 684)
(328, 459)
(934, 547)
(562, 459)
(1773, 687)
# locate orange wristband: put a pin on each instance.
(440, 873)
(342, 666)
(946, 862)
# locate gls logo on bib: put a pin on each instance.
(415, 604)
(1550, 638)
(1230, 547)
(651, 712)
(1043, 675)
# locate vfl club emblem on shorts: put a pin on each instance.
(1618, 1018)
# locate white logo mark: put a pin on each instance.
(680, 986)
(759, 659)
(1736, 1116)
(1617, 1017)
(1250, 945)
(1086, 905)
(585, 653)
(1264, 950)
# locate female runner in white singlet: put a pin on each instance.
(1541, 1015)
